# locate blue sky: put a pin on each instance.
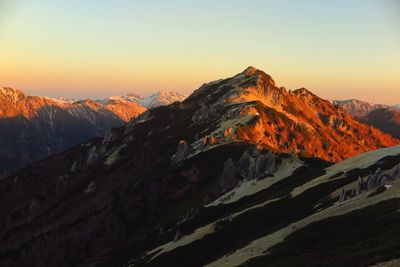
(337, 49)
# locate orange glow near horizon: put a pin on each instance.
(337, 51)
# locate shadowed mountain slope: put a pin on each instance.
(32, 128)
(386, 120)
(206, 181)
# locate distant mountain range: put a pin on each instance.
(242, 172)
(387, 120)
(383, 117)
(32, 127)
(359, 108)
(160, 98)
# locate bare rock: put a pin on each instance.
(182, 151)
(178, 235)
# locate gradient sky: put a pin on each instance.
(337, 49)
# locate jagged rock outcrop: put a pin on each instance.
(253, 164)
(227, 180)
(182, 151)
(378, 179)
(256, 165)
(178, 235)
(119, 200)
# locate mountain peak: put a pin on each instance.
(161, 98)
(303, 92)
(358, 108)
(11, 93)
(228, 144)
(252, 71)
(249, 107)
(8, 90)
(133, 96)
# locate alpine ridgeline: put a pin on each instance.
(383, 117)
(358, 108)
(33, 128)
(232, 175)
(386, 120)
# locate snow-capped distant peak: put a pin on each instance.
(127, 98)
(358, 108)
(62, 100)
(161, 98)
(113, 98)
(133, 96)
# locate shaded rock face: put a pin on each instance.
(226, 181)
(380, 180)
(107, 200)
(386, 120)
(383, 117)
(253, 164)
(26, 140)
(256, 165)
(33, 128)
(183, 150)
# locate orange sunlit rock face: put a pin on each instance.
(15, 103)
(299, 121)
(33, 128)
(385, 119)
(292, 121)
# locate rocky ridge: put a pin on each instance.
(358, 108)
(249, 107)
(213, 180)
(159, 98)
(386, 120)
(33, 128)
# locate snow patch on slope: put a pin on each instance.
(360, 161)
(62, 100)
(201, 232)
(246, 188)
(198, 234)
(261, 245)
